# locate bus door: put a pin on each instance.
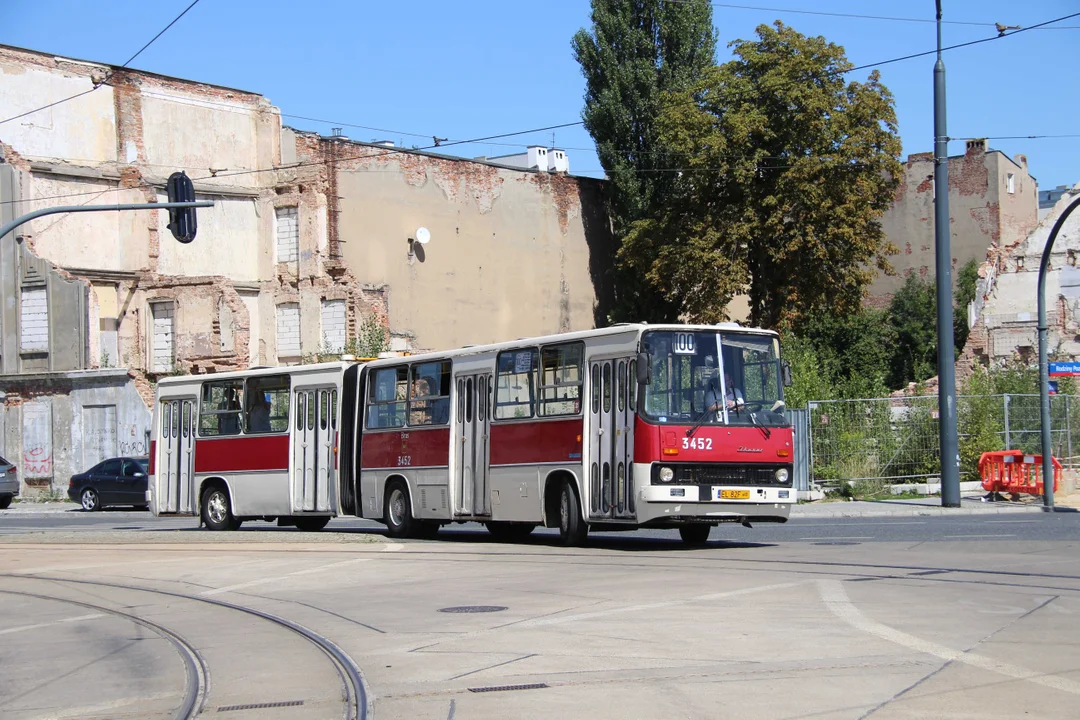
(472, 421)
(314, 425)
(624, 437)
(610, 439)
(177, 457)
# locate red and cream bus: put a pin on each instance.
(667, 426)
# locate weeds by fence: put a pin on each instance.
(896, 439)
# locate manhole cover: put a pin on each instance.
(472, 609)
(837, 542)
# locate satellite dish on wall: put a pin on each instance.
(423, 236)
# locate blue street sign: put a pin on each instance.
(1064, 369)
(1053, 387)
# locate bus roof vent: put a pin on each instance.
(728, 324)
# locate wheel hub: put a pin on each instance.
(216, 507)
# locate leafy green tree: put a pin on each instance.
(913, 315)
(633, 54)
(787, 170)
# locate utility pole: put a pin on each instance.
(950, 456)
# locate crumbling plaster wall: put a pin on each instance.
(1005, 311)
(982, 212)
(512, 253)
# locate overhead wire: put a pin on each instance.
(109, 74)
(481, 140)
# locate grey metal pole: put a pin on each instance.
(1044, 367)
(98, 208)
(950, 456)
(1068, 434)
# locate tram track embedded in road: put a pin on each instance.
(197, 676)
(357, 699)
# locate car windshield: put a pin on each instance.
(713, 377)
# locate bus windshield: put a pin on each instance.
(713, 378)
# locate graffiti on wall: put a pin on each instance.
(37, 461)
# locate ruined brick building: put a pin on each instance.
(309, 237)
(993, 202)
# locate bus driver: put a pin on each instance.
(713, 394)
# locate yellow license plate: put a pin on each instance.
(734, 494)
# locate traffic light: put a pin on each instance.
(181, 220)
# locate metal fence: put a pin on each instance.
(896, 439)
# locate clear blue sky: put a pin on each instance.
(481, 67)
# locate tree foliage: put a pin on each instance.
(787, 169)
(633, 54)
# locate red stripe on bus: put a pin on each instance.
(153, 457)
(259, 452)
(416, 447)
(656, 443)
(536, 442)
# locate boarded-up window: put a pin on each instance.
(288, 234)
(162, 317)
(34, 320)
(333, 325)
(288, 330)
(37, 460)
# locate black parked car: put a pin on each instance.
(116, 481)
(9, 483)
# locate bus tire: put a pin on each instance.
(217, 509)
(510, 532)
(572, 527)
(311, 524)
(397, 511)
(429, 529)
(695, 533)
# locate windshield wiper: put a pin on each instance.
(760, 425)
(700, 421)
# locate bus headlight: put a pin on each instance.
(666, 474)
(782, 475)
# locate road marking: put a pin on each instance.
(264, 581)
(393, 547)
(839, 537)
(836, 599)
(1007, 522)
(977, 536)
(47, 624)
(653, 606)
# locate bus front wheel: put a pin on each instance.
(217, 510)
(397, 511)
(572, 528)
(695, 534)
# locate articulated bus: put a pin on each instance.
(663, 426)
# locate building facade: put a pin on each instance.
(307, 244)
(992, 203)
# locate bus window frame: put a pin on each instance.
(541, 401)
(373, 406)
(431, 402)
(253, 385)
(534, 351)
(205, 389)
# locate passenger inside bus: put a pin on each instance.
(419, 412)
(258, 420)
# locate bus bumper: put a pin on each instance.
(689, 503)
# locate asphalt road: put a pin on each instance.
(959, 528)
(892, 618)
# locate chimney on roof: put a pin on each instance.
(975, 146)
(557, 161)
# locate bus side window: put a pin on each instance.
(561, 379)
(515, 385)
(622, 385)
(429, 398)
(387, 397)
(166, 419)
(632, 385)
(219, 411)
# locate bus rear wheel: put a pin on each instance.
(696, 534)
(509, 531)
(217, 510)
(311, 524)
(397, 511)
(572, 528)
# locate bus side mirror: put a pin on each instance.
(644, 369)
(786, 370)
